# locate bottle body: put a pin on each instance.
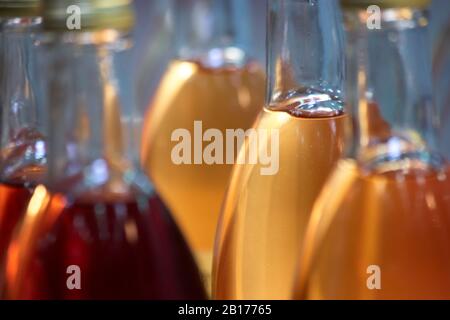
(264, 215)
(380, 226)
(23, 151)
(98, 229)
(210, 85)
(379, 237)
(93, 248)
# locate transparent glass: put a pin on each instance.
(381, 226)
(153, 35)
(264, 216)
(441, 77)
(99, 215)
(215, 81)
(22, 143)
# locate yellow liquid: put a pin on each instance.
(264, 217)
(227, 98)
(399, 222)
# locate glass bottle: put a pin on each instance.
(213, 83)
(380, 228)
(441, 83)
(22, 146)
(302, 127)
(98, 230)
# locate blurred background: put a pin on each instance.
(154, 47)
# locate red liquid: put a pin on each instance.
(124, 249)
(13, 203)
(14, 198)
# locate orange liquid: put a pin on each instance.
(264, 216)
(226, 98)
(397, 221)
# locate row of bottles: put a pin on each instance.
(360, 182)
(360, 206)
(213, 80)
(96, 216)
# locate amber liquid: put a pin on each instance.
(398, 221)
(264, 216)
(124, 248)
(224, 98)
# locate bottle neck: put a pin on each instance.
(306, 55)
(389, 89)
(213, 32)
(22, 143)
(90, 143)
